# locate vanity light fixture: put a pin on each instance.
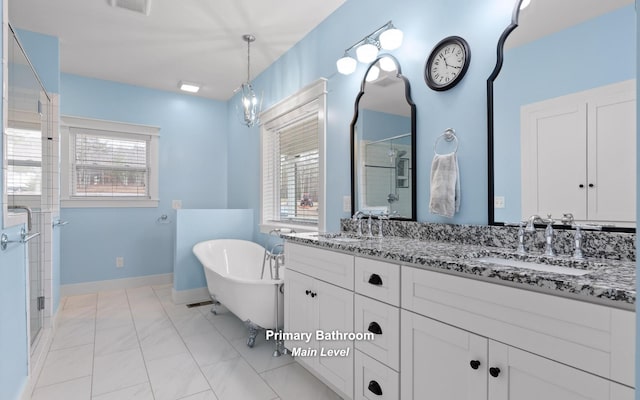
(189, 87)
(524, 4)
(373, 74)
(387, 64)
(250, 104)
(387, 37)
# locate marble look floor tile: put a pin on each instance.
(229, 325)
(74, 333)
(260, 357)
(293, 382)
(66, 364)
(175, 377)
(75, 389)
(113, 317)
(147, 324)
(85, 300)
(192, 324)
(74, 315)
(162, 343)
(208, 395)
(117, 371)
(235, 379)
(210, 348)
(114, 340)
(136, 392)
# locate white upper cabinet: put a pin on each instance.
(578, 155)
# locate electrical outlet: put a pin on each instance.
(176, 204)
(346, 204)
(498, 202)
(119, 262)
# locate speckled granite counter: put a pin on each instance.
(610, 282)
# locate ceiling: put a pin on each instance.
(192, 40)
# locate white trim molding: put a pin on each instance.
(74, 289)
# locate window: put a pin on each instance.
(293, 133)
(108, 164)
(24, 161)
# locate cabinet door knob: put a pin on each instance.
(307, 292)
(375, 279)
(494, 371)
(591, 185)
(475, 364)
(374, 387)
(313, 294)
(374, 327)
(581, 186)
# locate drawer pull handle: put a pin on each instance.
(375, 279)
(493, 371)
(375, 328)
(375, 388)
(475, 364)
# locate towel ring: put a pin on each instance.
(449, 135)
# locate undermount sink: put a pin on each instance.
(557, 269)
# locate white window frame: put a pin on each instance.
(150, 133)
(313, 95)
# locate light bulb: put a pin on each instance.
(367, 53)
(391, 39)
(387, 64)
(373, 74)
(346, 65)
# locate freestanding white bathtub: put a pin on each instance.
(232, 268)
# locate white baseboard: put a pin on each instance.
(190, 295)
(114, 284)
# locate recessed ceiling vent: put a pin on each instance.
(140, 6)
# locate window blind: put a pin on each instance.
(108, 164)
(291, 171)
(24, 159)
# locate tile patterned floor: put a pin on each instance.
(137, 344)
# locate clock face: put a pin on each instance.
(447, 64)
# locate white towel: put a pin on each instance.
(445, 185)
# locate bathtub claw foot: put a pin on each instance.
(253, 332)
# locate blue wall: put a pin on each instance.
(193, 226)
(424, 23)
(193, 168)
(582, 67)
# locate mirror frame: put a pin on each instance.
(490, 127)
(354, 157)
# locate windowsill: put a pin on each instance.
(104, 203)
(299, 228)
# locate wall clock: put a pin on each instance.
(447, 63)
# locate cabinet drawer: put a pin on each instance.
(373, 380)
(591, 337)
(378, 279)
(326, 265)
(371, 315)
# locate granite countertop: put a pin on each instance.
(609, 282)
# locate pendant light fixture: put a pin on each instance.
(250, 104)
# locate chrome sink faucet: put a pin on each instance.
(578, 237)
(521, 235)
(358, 217)
(549, 234)
(381, 218)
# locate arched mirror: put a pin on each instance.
(562, 114)
(383, 143)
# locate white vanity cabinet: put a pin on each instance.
(319, 297)
(377, 301)
(466, 339)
